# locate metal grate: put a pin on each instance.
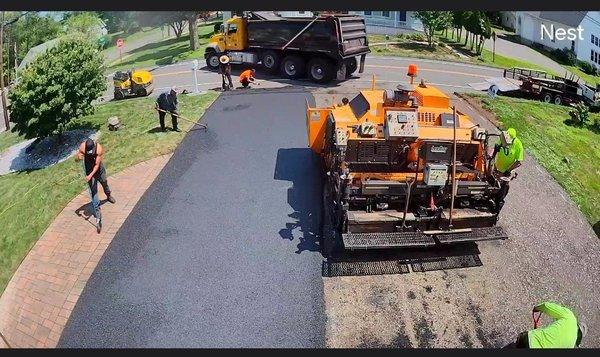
(427, 117)
(386, 240)
(332, 269)
(476, 234)
(452, 262)
(374, 151)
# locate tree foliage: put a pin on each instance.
(116, 21)
(433, 21)
(86, 23)
(57, 87)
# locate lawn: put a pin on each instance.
(164, 52)
(407, 47)
(571, 154)
(145, 31)
(31, 200)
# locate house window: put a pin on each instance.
(573, 46)
(401, 15)
(368, 13)
(592, 38)
(596, 41)
(592, 55)
(385, 14)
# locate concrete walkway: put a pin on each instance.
(524, 53)
(41, 295)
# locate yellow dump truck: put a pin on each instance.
(322, 48)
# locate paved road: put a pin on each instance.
(388, 71)
(222, 250)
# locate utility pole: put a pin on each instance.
(4, 109)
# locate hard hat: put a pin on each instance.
(174, 89)
(224, 59)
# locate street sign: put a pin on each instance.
(120, 42)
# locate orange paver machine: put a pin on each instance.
(404, 169)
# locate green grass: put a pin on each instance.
(408, 48)
(145, 31)
(31, 200)
(588, 78)
(571, 154)
(8, 139)
(164, 52)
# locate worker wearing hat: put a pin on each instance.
(564, 332)
(91, 153)
(509, 154)
(167, 103)
(225, 70)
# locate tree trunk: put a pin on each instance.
(177, 28)
(466, 37)
(193, 24)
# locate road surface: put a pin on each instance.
(222, 250)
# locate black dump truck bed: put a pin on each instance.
(340, 36)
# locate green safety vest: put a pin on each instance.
(515, 153)
(562, 333)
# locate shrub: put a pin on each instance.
(566, 56)
(580, 114)
(57, 87)
(586, 67)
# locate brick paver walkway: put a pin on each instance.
(39, 299)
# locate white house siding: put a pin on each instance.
(591, 26)
(390, 22)
(508, 19)
(525, 27)
(546, 41)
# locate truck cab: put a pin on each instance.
(233, 36)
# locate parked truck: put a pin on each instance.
(322, 48)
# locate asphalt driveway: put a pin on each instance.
(211, 256)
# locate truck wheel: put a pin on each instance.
(320, 70)
(212, 61)
(119, 95)
(351, 66)
(270, 61)
(292, 67)
(547, 98)
(558, 100)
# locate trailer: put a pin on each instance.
(553, 89)
(320, 48)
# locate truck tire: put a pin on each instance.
(212, 61)
(320, 70)
(292, 67)
(351, 66)
(558, 100)
(119, 95)
(547, 97)
(270, 61)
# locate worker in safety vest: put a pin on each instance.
(246, 77)
(564, 332)
(509, 153)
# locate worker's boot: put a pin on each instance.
(111, 199)
(98, 225)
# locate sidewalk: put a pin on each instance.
(40, 297)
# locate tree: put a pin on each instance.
(433, 21)
(116, 21)
(86, 23)
(192, 18)
(57, 87)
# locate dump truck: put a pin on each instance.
(322, 48)
(403, 169)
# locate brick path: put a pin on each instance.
(39, 299)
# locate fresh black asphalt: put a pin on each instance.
(222, 249)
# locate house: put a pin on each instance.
(390, 22)
(530, 24)
(296, 14)
(508, 19)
